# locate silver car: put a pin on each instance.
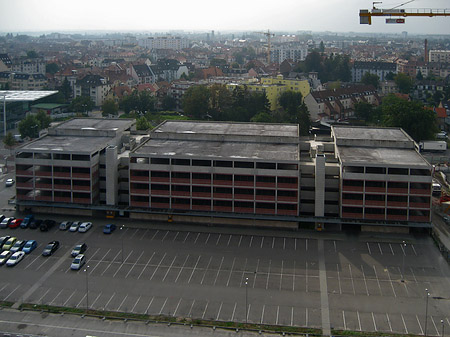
(78, 262)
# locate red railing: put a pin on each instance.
(201, 194)
(374, 216)
(419, 205)
(139, 178)
(61, 187)
(243, 183)
(397, 217)
(82, 200)
(222, 209)
(159, 179)
(352, 215)
(223, 195)
(419, 218)
(158, 205)
(139, 203)
(201, 181)
(243, 196)
(265, 184)
(375, 202)
(264, 211)
(19, 184)
(181, 193)
(62, 199)
(81, 175)
(398, 190)
(201, 207)
(288, 199)
(223, 182)
(243, 210)
(352, 188)
(181, 206)
(351, 202)
(376, 189)
(181, 181)
(420, 191)
(61, 174)
(159, 192)
(139, 191)
(42, 173)
(286, 212)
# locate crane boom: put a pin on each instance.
(269, 35)
(365, 15)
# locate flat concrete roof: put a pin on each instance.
(381, 157)
(220, 150)
(225, 128)
(95, 124)
(67, 144)
(23, 95)
(364, 133)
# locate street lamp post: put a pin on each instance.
(121, 235)
(87, 288)
(4, 115)
(426, 311)
(246, 300)
(443, 324)
(403, 261)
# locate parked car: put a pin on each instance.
(9, 182)
(109, 228)
(65, 225)
(2, 217)
(5, 222)
(8, 244)
(15, 223)
(27, 221)
(78, 249)
(4, 256)
(15, 259)
(84, 227)
(46, 225)
(50, 248)
(30, 246)
(74, 226)
(446, 219)
(18, 246)
(78, 262)
(36, 223)
(3, 240)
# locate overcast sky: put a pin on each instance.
(218, 15)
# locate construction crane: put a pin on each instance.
(269, 36)
(365, 15)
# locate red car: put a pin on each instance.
(15, 223)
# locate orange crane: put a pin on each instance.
(269, 36)
(365, 15)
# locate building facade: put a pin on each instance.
(294, 53)
(93, 86)
(164, 42)
(381, 69)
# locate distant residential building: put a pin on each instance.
(142, 73)
(164, 42)
(294, 53)
(442, 56)
(20, 81)
(169, 70)
(29, 66)
(378, 68)
(54, 110)
(5, 62)
(388, 87)
(339, 104)
(93, 86)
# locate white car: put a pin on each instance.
(78, 262)
(9, 182)
(74, 226)
(84, 227)
(15, 258)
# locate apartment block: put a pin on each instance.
(164, 42)
(441, 56)
(381, 69)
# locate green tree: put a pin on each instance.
(146, 102)
(81, 104)
(295, 111)
(418, 122)
(370, 79)
(9, 141)
(51, 68)
(196, 101)
(169, 103)
(263, 117)
(43, 119)
(110, 107)
(142, 123)
(32, 54)
(404, 83)
(313, 62)
(321, 47)
(220, 102)
(419, 76)
(66, 89)
(29, 127)
(368, 113)
(390, 76)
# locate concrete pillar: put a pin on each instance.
(319, 206)
(112, 175)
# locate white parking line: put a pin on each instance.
(164, 237)
(92, 270)
(168, 269)
(123, 301)
(374, 323)
(82, 299)
(292, 316)
(109, 300)
(365, 281)
(403, 249)
(218, 239)
(368, 248)
(414, 250)
(381, 251)
(244, 270)
(231, 272)
(420, 325)
(306, 277)
(343, 318)
(281, 276)
(190, 309)
(293, 278)
(268, 275)
(390, 280)
(218, 270)
(137, 230)
(229, 239)
(378, 281)
(207, 239)
(159, 264)
(432, 320)
(240, 240)
(114, 258)
(4, 287)
(164, 304)
(278, 314)
(262, 241)
(391, 249)
(157, 231)
(56, 297)
(92, 256)
(134, 264)
(149, 304)
(98, 296)
(273, 242)
(41, 298)
(68, 299)
(134, 306)
(14, 291)
(143, 235)
(234, 310)
(220, 309)
(251, 240)
(176, 309)
(122, 264)
(359, 320)
(146, 265)
(389, 322)
(256, 273)
(193, 270)
(181, 269)
(176, 235)
(306, 245)
(404, 324)
(284, 243)
(32, 262)
(295, 244)
(204, 312)
(45, 260)
(334, 243)
(306, 317)
(351, 277)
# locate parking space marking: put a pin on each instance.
(334, 244)
(343, 318)
(240, 240)
(351, 277)
(262, 241)
(251, 240)
(134, 264)
(295, 244)
(101, 260)
(359, 320)
(195, 267)
(306, 316)
(220, 309)
(176, 309)
(159, 264)
(190, 310)
(157, 231)
(12, 292)
(56, 297)
(365, 281)
(218, 239)
(306, 245)
(278, 314)
(292, 316)
(273, 242)
(420, 325)
(121, 303)
(390, 281)
(164, 237)
(181, 269)
(381, 251)
(374, 323)
(435, 327)
(268, 274)
(32, 262)
(45, 260)
(168, 269)
(195, 241)
(244, 270)
(231, 271)
(229, 239)
(256, 273)
(146, 265)
(98, 296)
(306, 276)
(164, 304)
(218, 270)
(368, 248)
(206, 307)
(40, 299)
(137, 230)
(207, 238)
(149, 304)
(391, 249)
(68, 298)
(109, 264)
(293, 278)
(414, 250)
(92, 256)
(378, 280)
(106, 305)
(121, 265)
(389, 322)
(143, 235)
(281, 275)
(82, 299)
(234, 310)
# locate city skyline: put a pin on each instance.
(198, 15)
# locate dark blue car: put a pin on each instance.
(109, 228)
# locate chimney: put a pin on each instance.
(426, 51)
